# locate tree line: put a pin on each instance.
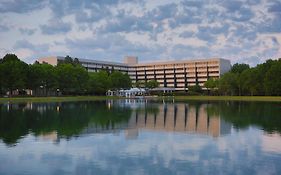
(67, 78)
(263, 79)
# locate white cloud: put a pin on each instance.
(235, 31)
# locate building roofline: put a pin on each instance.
(144, 63)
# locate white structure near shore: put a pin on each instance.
(133, 92)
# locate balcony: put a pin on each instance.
(159, 76)
(191, 80)
(159, 72)
(150, 72)
(150, 77)
(180, 80)
(169, 76)
(191, 75)
(202, 79)
(180, 75)
(169, 72)
(180, 71)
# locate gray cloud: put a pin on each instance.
(27, 31)
(4, 28)
(275, 7)
(55, 26)
(232, 5)
(21, 6)
(112, 21)
(24, 44)
(112, 46)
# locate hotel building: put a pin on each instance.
(177, 75)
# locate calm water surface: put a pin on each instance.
(138, 137)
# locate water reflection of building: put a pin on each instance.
(179, 118)
(172, 117)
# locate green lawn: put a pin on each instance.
(176, 98)
(54, 99)
(230, 98)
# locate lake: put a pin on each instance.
(140, 137)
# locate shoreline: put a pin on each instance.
(176, 98)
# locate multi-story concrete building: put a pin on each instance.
(170, 74)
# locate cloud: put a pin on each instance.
(114, 28)
(275, 7)
(4, 28)
(29, 51)
(232, 5)
(21, 6)
(27, 31)
(110, 46)
(55, 26)
(186, 34)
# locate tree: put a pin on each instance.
(272, 81)
(196, 89)
(99, 82)
(140, 84)
(211, 84)
(69, 60)
(249, 82)
(42, 75)
(71, 79)
(13, 72)
(120, 80)
(239, 68)
(228, 84)
(152, 84)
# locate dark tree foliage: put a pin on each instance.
(71, 79)
(239, 68)
(69, 122)
(120, 80)
(152, 84)
(193, 90)
(13, 73)
(99, 83)
(67, 78)
(264, 79)
(70, 60)
(272, 81)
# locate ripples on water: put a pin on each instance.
(140, 137)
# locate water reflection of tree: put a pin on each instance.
(67, 119)
(244, 114)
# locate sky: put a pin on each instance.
(244, 31)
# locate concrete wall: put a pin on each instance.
(53, 60)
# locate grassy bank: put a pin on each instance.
(229, 98)
(176, 98)
(54, 99)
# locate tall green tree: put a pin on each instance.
(211, 84)
(152, 84)
(99, 82)
(42, 75)
(139, 84)
(71, 79)
(239, 68)
(272, 81)
(13, 72)
(250, 82)
(120, 80)
(228, 84)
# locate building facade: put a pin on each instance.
(170, 74)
